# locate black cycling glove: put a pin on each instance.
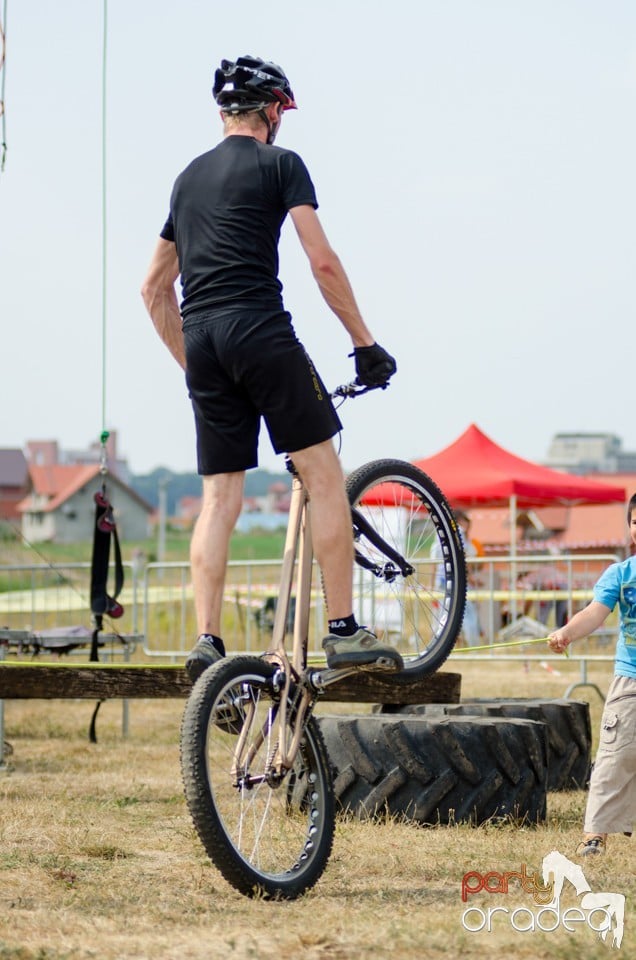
(374, 366)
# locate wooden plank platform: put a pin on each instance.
(104, 681)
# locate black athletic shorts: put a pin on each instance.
(245, 365)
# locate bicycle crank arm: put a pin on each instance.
(273, 780)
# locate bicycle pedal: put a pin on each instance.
(382, 664)
(388, 664)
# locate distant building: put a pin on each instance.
(585, 453)
(188, 509)
(276, 501)
(46, 453)
(60, 506)
(557, 530)
(14, 482)
(42, 453)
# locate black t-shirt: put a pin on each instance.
(226, 212)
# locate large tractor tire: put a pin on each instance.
(438, 770)
(567, 721)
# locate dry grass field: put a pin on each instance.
(98, 857)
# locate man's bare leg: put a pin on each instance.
(331, 532)
(222, 501)
(322, 474)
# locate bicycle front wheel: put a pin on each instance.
(269, 832)
(410, 578)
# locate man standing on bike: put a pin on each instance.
(242, 360)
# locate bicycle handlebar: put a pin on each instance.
(355, 389)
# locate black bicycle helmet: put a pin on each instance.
(250, 84)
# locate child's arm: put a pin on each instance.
(584, 622)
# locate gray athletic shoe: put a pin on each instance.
(363, 649)
(203, 655)
(591, 847)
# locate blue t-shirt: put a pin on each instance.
(618, 585)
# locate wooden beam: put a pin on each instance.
(369, 688)
(101, 681)
(90, 681)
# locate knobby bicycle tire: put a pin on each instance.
(268, 837)
(410, 582)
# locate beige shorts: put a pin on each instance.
(611, 804)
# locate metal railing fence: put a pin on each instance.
(522, 596)
(509, 594)
(43, 596)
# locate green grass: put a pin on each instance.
(99, 859)
(256, 545)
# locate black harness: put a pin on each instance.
(103, 603)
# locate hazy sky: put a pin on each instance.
(475, 167)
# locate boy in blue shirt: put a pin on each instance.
(611, 804)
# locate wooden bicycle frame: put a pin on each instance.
(297, 557)
(298, 543)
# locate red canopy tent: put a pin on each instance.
(474, 470)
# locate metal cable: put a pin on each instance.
(104, 209)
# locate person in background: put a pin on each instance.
(611, 803)
(471, 628)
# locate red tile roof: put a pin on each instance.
(597, 527)
(57, 482)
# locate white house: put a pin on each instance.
(61, 505)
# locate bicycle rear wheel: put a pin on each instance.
(269, 835)
(410, 581)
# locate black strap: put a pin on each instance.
(92, 730)
(101, 601)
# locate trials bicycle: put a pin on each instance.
(255, 769)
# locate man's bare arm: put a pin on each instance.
(161, 300)
(330, 275)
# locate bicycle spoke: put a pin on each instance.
(266, 828)
(416, 603)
